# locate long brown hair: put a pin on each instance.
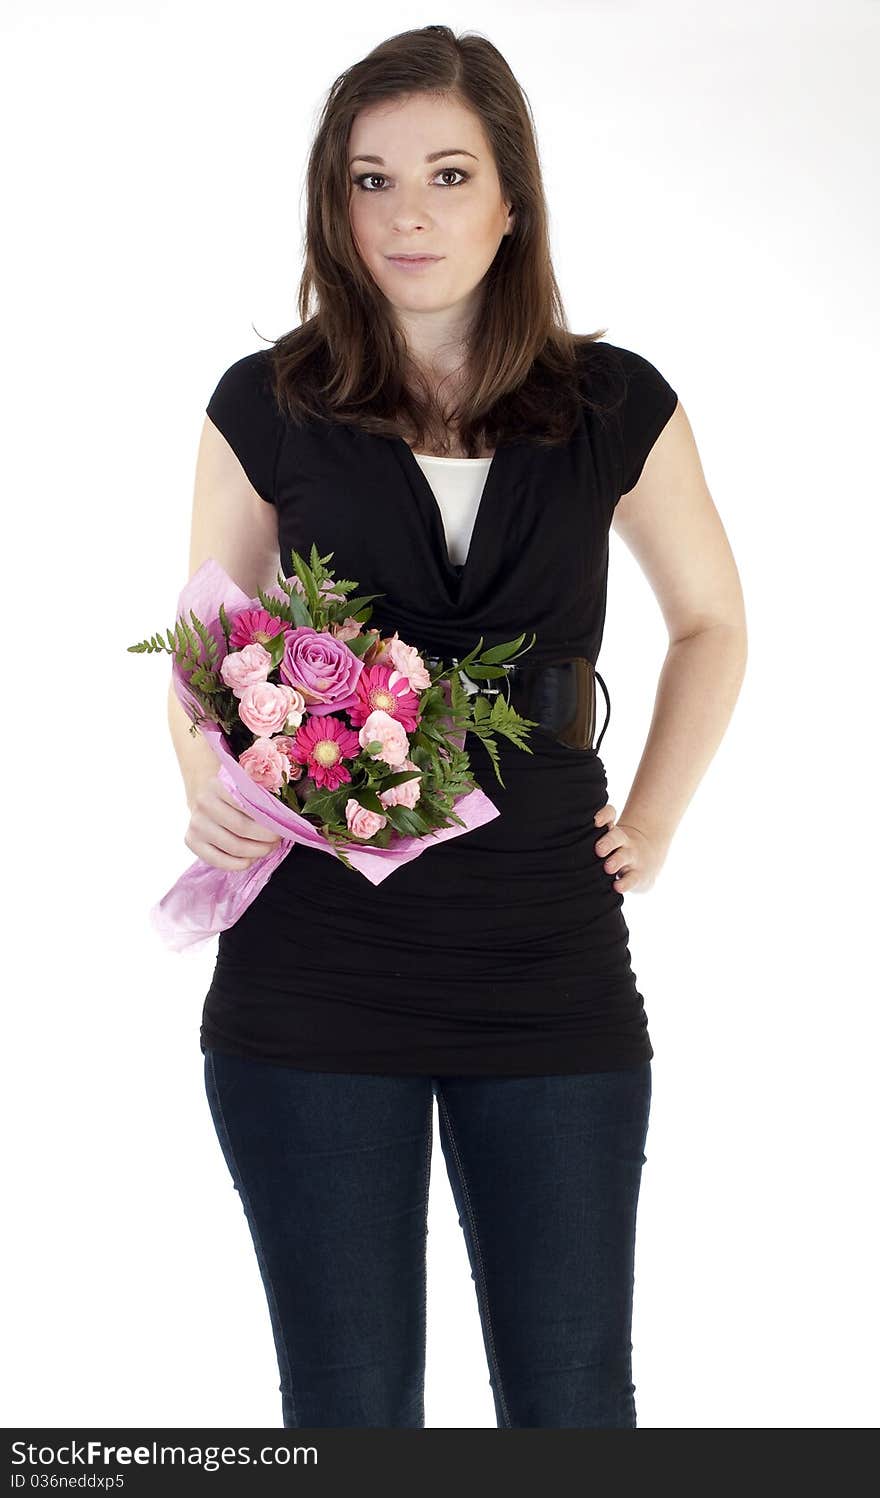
(347, 360)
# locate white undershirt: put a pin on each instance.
(457, 484)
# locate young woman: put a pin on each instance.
(432, 424)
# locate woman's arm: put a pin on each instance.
(670, 524)
(197, 760)
(232, 524)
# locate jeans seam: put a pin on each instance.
(259, 1243)
(481, 1273)
(428, 1142)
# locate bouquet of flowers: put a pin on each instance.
(324, 731)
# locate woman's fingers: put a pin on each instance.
(242, 823)
(223, 834)
(605, 820)
(214, 843)
(605, 815)
(611, 839)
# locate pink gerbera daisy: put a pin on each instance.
(254, 627)
(322, 743)
(386, 688)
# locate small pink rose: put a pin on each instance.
(245, 668)
(409, 663)
(361, 822)
(390, 734)
(405, 794)
(265, 765)
(264, 708)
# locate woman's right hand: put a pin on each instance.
(220, 833)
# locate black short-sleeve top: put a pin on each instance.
(503, 951)
(539, 549)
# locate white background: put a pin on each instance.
(711, 172)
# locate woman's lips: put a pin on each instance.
(415, 262)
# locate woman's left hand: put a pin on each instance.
(632, 859)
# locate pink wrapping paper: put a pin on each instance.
(205, 899)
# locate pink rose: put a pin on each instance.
(409, 663)
(244, 668)
(264, 764)
(405, 794)
(361, 822)
(390, 734)
(264, 708)
(322, 668)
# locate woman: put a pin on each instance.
(435, 427)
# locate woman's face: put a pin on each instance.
(402, 203)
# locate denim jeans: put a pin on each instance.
(332, 1171)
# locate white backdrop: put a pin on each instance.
(708, 169)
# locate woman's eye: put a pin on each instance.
(366, 177)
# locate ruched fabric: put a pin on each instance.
(504, 951)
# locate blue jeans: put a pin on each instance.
(332, 1171)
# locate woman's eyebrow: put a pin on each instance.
(432, 156)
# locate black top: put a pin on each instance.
(505, 950)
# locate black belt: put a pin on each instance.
(560, 696)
